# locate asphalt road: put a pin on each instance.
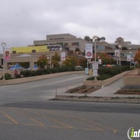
(26, 114)
(40, 90)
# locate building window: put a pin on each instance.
(13, 52)
(75, 43)
(100, 47)
(66, 44)
(33, 51)
(60, 43)
(58, 38)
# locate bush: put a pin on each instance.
(7, 76)
(105, 72)
(100, 77)
(104, 77)
(18, 76)
(28, 73)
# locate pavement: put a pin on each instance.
(105, 94)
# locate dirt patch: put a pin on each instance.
(83, 89)
(128, 92)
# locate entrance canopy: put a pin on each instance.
(17, 66)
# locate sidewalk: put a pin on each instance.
(103, 94)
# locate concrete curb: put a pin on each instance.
(98, 99)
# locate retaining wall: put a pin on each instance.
(132, 78)
(36, 78)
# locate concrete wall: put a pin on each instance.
(36, 78)
(132, 79)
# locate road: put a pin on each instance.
(40, 90)
(26, 113)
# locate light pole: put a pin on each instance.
(3, 44)
(50, 60)
(120, 47)
(95, 38)
(130, 58)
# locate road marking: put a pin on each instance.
(10, 118)
(64, 116)
(39, 123)
(104, 126)
(53, 120)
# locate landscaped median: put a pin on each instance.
(105, 82)
(107, 75)
(84, 96)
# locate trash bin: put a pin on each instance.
(90, 72)
(86, 71)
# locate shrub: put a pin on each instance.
(7, 76)
(18, 76)
(105, 72)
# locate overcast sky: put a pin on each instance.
(23, 21)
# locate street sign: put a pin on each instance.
(100, 61)
(95, 73)
(95, 65)
(128, 57)
(63, 56)
(89, 60)
(88, 51)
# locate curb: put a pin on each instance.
(98, 99)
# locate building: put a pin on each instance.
(29, 54)
(68, 43)
(127, 48)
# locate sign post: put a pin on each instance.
(88, 54)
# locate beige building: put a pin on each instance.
(127, 48)
(69, 43)
(31, 58)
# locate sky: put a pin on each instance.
(23, 21)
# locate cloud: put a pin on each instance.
(24, 21)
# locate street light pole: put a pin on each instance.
(95, 37)
(130, 59)
(3, 44)
(120, 47)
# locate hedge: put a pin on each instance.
(105, 72)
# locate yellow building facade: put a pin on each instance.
(29, 49)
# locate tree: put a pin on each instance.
(83, 62)
(137, 59)
(56, 60)
(71, 61)
(42, 61)
(87, 38)
(106, 59)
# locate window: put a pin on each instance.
(13, 52)
(33, 51)
(75, 43)
(66, 44)
(100, 47)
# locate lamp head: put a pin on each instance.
(3, 44)
(95, 37)
(120, 47)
